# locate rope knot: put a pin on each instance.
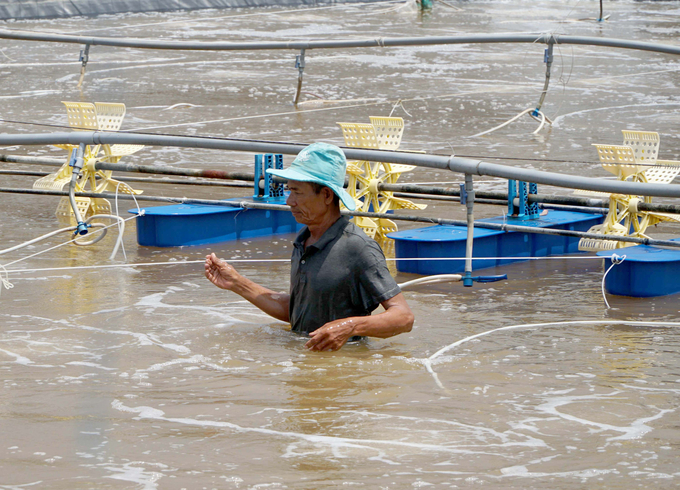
(617, 259)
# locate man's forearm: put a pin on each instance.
(272, 303)
(390, 322)
(397, 318)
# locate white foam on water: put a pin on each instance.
(479, 433)
(142, 338)
(18, 358)
(90, 364)
(335, 444)
(524, 472)
(650, 389)
(21, 486)
(635, 430)
(196, 359)
(136, 473)
(153, 302)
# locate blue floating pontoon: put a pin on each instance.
(190, 224)
(645, 271)
(444, 241)
(181, 225)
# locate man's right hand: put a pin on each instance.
(220, 273)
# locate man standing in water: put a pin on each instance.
(338, 274)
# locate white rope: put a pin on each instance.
(275, 114)
(144, 264)
(439, 278)
(38, 239)
(529, 111)
(240, 118)
(399, 103)
(4, 280)
(616, 260)
(102, 229)
(254, 261)
(520, 258)
(428, 361)
(503, 125)
(121, 225)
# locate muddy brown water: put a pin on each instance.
(149, 377)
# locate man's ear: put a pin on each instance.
(328, 195)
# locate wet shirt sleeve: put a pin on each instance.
(376, 284)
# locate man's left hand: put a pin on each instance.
(332, 336)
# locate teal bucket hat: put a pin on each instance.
(323, 164)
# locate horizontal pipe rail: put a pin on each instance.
(131, 167)
(417, 219)
(166, 170)
(209, 183)
(496, 202)
(532, 198)
(455, 164)
(545, 38)
(53, 162)
(405, 190)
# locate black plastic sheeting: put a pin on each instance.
(33, 9)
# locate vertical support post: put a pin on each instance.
(521, 191)
(300, 65)
(600, 18)
(264, 186)
(469, 204)
(84, 58)
(512, 194)
(523, 199)
(534, 211)
(268, 163)
(276, 189)
(258, 175)
(547, 59)
(77, 162)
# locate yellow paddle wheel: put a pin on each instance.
(86, 116)
(634, 161)
(383, 133)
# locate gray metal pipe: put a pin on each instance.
(53, 162)
(544, 38)
(455, 164)
(190, 181)
(409, 191)
(434, 197)
(415, 219)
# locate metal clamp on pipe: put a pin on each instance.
(76, 163)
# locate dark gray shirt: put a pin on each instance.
(343, 274)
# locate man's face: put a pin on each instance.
(307, 206)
